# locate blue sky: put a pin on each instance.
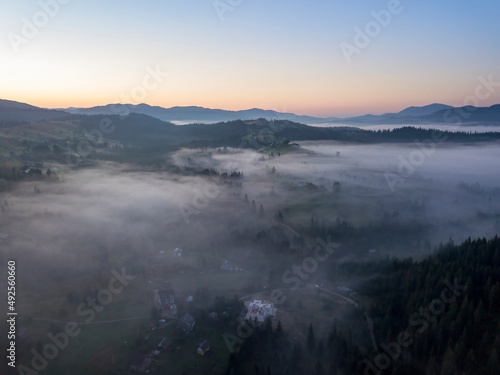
(281, 55)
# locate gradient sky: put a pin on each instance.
(283, 55)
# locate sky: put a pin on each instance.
(309, 57)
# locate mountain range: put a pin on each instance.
(429, 114)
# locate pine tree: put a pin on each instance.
(319, 368)
(494, 361)
(321, 348)
(297, 352)
(255, 369)
(332, 369)
(310, 339)
(269, 327)
(449, 363)
(279, 329)
(478, 316)
(432, 367)
(280, 216)
(470, 361)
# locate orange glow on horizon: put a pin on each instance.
(305, 106)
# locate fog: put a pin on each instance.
(389, 200)
(452, 127)
(116, 208)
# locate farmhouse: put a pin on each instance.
(166, 297)
(260, 311)
(165, 344)
(166, 302)
(203, 348)
(186, 324)
(213, 316)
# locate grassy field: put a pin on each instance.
(92, 340)
(87, 354)
(17, 138)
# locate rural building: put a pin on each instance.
(166, 302)
(186, 324)
(203, 348)
(213, 316)
(166, 298)
(165, 343)
(260, 310)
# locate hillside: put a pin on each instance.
(438, 316)
(434, 113)
(190, 114)
(15, 111)
(431, 114)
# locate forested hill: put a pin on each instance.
(438, 316)
(142, 130)
(106, 136)
(449, 304)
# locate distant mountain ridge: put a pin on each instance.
(16, 111)
(405, 113)
(190, 113)
(422, 111)
(430, 114)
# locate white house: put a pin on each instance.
(260, 311)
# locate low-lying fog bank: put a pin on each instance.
(453, 190)
(443, 127)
